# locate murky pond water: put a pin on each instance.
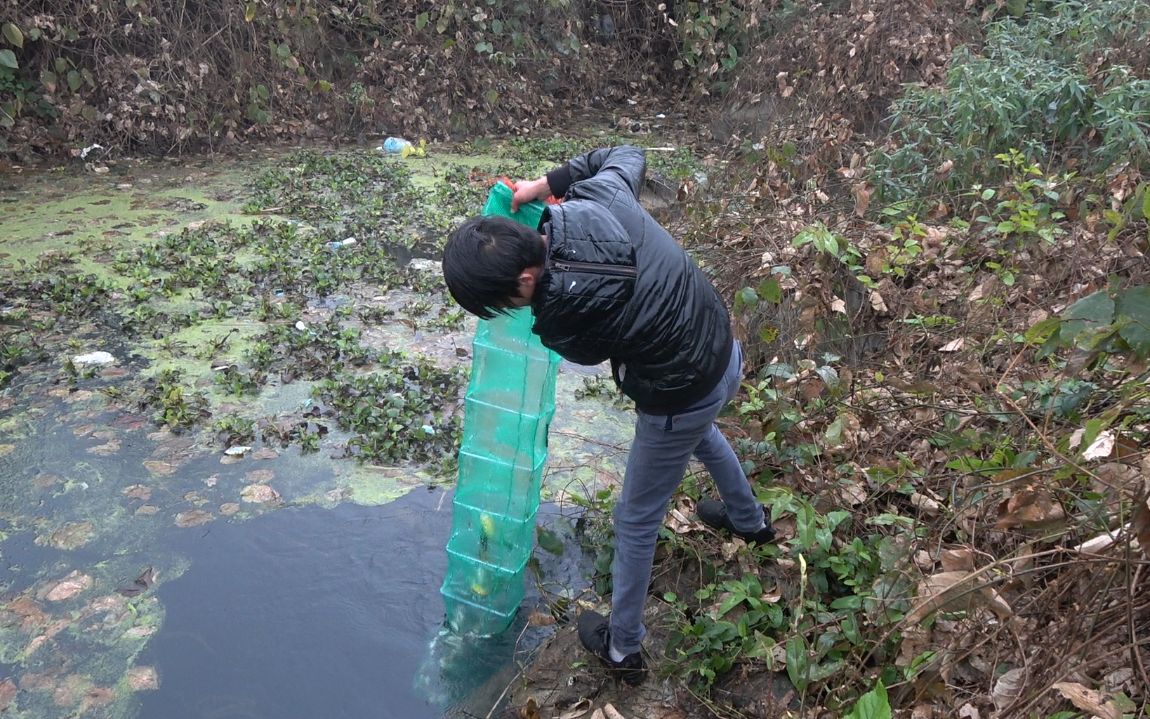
(213, 521)
(321, 612)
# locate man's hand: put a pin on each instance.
(528, 190)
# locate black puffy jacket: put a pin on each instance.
(617, 286)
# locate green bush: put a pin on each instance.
(1053, 86)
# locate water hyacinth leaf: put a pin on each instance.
(13, 35)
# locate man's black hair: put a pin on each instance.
(483, 260)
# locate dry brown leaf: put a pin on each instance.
(68, 587)
(955, 591)
(530, 710)
(925, 504)
(995, 603)
(611, 713)
(1008, 688)
(540, 619)
(1089, 700)
(1141, 525)
(983, 290)
(960, 559)
(862, 193)
(679, 523)
(945, 590)
(877, 303)
(7, 693)
(577, 709)
(159, 468)
(968, 711)
(138, 491)
(259, 476)
(915, 641)
(259, 493)
(853, 493)
(1030, 508)
(875, 262)
(193, 518)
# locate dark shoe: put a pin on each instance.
(595, 636)
(713, 513)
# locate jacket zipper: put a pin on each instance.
(622, 271)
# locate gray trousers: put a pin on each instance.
(658, 460)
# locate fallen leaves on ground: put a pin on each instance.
(955, 591)
(1089, 700)
(576, 710)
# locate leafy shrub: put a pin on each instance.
(1051, 86)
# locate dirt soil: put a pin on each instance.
(562, 680)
